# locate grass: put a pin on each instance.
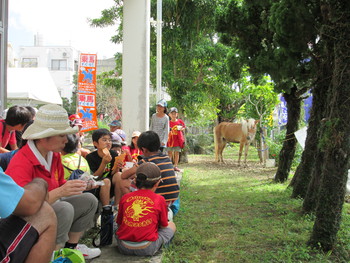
(234, 214)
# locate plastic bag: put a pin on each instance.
(67, 255)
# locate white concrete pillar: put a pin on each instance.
(136, 66)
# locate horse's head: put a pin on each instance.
(251, 125)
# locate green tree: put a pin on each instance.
(334, 139)
(108, 90)
(250, 28)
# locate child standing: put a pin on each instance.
(143, 216)
(176, 138)
(160, 123)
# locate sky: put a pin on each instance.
(61, 23)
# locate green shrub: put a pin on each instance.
(200, 144)
(275, 146)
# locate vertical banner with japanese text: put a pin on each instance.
(87, 91)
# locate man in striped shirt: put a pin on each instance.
(149, 143)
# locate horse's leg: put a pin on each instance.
(246, 153)
(241, 144)
(221, 150)
(216, 148)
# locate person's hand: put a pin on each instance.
(107, 158)
(73, 187)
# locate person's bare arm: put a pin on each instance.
(35, 193)
(3, 150)
(105, 160)
(71, 187)
(13, 147)
(128, 173)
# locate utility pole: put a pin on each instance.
(159, 49)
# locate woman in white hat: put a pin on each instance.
(40, 157)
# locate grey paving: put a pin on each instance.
(110, 254)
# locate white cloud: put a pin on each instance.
(64, 22)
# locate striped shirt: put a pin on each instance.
(169, 187)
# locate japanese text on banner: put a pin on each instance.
(87, 91)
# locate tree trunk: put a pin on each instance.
(323, 93)
(304, 172)
(288, 150)
(335, 140)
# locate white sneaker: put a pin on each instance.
(88, 253)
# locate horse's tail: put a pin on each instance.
(217, 139)
(215, 144)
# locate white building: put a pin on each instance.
(62, 62)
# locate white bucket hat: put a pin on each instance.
(50, 120)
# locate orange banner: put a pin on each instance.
(87, 91)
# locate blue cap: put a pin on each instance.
(115, 123)
(162, 103)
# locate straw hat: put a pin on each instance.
(50, 120)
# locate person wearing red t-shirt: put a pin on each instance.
(176, 138)
(132, 151)
(16, 118)
(143, 216)
(41, 158)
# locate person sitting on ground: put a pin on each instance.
(40, 157)
(117, 147)
(19, 133)
(149, 143)
(6, 157)
(75, 120)
(132, 151)
(116, 127)
(25, 211)
(116, 139)
(71, 161)
(143, 234)
(160, 123)
(176, 138)
(102, 160)
(16, 118)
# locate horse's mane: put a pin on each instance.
(246, 125)
(251, 123)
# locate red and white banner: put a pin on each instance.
(87, 91)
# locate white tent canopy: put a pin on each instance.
(31, 86)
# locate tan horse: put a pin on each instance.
(242, 133)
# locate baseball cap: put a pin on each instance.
(150, 170)
(173, 109)
(115, 123)
(135, 134)
(162, 103)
